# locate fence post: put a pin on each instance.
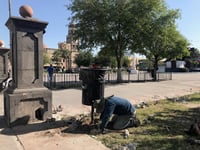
(109, 76)
(54, 81)
(170, 75)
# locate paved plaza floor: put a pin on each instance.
(35, 137)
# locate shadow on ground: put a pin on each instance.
(167, 130)
(35, 127)
(74, 125)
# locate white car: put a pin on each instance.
(6, 83)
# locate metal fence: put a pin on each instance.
(71, 80)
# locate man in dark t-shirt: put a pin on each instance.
(50, 72)
(124, 113)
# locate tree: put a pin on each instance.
(122, 25)
(109, 24)
(105, 61)
(194, 53)
(160, 39)
(83, 59)
(46, 58)
(171, 45)
(126, 62)
(60, 54)
(192, 61)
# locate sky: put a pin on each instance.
(52, 11)
(56, 14)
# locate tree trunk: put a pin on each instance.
(155, 68)
(119, 74)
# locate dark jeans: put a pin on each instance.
(123, 122)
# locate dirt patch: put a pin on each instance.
(80, 124)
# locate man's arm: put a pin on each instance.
(105, 116)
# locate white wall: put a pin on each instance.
(180, 64)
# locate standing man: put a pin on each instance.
(50, 72)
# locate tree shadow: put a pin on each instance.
(2, 122)
(168, 130)
(73, 125)
(33, 127)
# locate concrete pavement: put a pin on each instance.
(35, 137)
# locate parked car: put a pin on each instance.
(132, 71)
(57, 69)
(73, 70)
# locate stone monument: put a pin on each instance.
(3, 62)
(27, 100)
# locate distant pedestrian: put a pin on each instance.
(50, 72)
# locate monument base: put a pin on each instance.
(25, 106)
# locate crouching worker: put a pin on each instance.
(123, 113)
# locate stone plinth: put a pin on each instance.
(27, 100)
(27, 106)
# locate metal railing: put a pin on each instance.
(71, 80)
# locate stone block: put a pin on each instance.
(23, 107)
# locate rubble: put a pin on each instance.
(126, 133)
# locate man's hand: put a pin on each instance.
(95, 131)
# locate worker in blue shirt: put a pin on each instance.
(123, 113)
(50, 72)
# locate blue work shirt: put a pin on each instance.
(50, 70)
(118, 106)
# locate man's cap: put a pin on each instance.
(100, 104)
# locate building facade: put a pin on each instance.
(69, 45)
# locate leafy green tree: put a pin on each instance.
(192, 60)
(60, 54)
(110, 24)
(160, 39)
(194, 53)
(118, 26)
(46, 58)
(84, 58)
(103, 61)
(144, 65)
(125, 62)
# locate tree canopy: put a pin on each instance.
(118, 26)
(60, 54)
(161, 39)
(46, 58)
(84, 58)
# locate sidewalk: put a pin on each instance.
(36, 137)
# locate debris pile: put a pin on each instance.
(82, 124)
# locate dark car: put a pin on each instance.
(73, 70)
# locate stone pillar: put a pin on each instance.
(3, 63)
(27, 100)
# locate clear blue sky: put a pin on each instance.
(52, 11)
(56, 14)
